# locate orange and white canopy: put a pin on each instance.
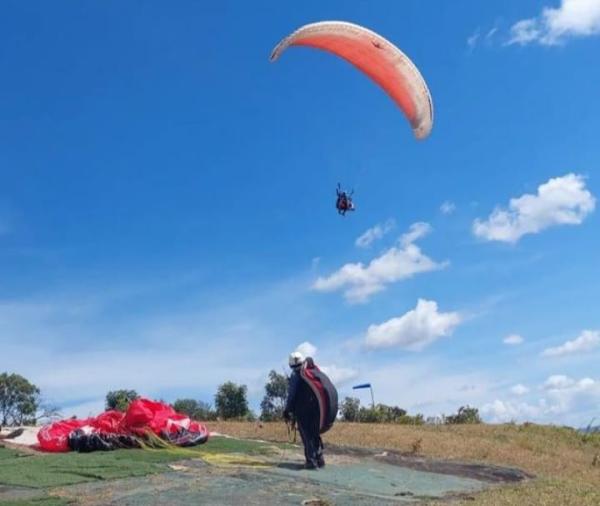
(381, 60)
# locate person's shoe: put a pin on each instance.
(310, 465)
(320, 462)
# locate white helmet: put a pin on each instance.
(296, 359)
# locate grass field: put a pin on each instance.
(565, 462)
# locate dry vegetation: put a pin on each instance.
(565, 462)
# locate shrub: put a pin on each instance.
(464, 415)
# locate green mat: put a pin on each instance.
(54, 470)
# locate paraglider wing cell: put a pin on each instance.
(383, 62)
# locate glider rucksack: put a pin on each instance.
(325, 392)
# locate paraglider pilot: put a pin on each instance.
(303, 405)
(343, 203)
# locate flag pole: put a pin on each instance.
(370, 387)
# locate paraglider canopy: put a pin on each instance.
(381, 60)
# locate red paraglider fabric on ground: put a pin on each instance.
(55, 437)
(142, 417)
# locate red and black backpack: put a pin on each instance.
(325, 392)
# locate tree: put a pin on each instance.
(465, 414)
(48, 413)
(350, 409)
(196, 410)
(273, 402)
(119, 399)
(19, 400)
(230, 401)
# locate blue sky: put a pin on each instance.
(167, 220)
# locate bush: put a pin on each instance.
(417, 419)
(465, 415)
(388, 414)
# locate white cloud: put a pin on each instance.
(558, 382)
(480, 36)
(513, 340)
(307, 349)
(587, 341)
(375, 233)
(573, 18)
(400, 262)
(491, 33)
(448, 207)
(506, 411)
(473, 38)
(415, 232)
(567, 396)
(565, 400)
(340, 375)
(560, 201)
(414, 330)
(524, 31)
(519, 389)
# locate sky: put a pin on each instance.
(167, 217)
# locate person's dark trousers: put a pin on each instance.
(311, 439)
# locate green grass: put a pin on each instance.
(248, 447)
(42, 501)
(55, 470)
(69, 469)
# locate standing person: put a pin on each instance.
(303, 404)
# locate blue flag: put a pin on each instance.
(364, 385)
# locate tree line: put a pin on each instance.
(21, 404)
(231, 403)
